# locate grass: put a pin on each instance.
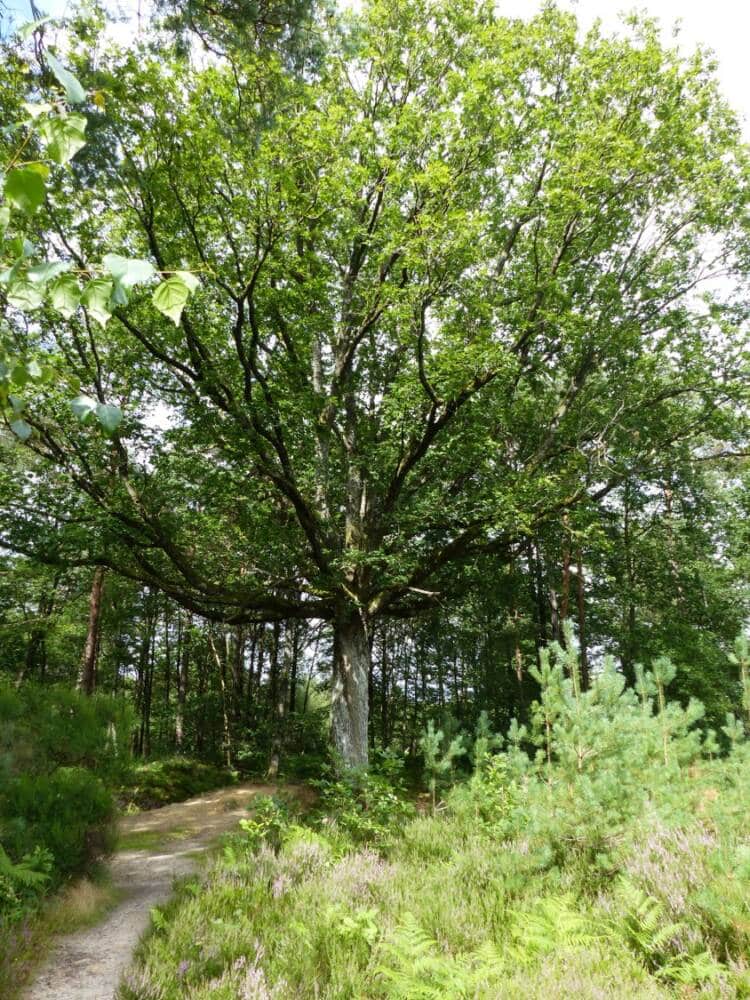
(80, 904)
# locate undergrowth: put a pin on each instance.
(602, 852)
(172, 779)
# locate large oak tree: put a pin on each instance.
(464, 275)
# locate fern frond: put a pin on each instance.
(554, 922)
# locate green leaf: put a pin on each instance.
(28, 29)
(19, 376)
(34, 369)
(83, 407)
(24, 295)
(21, 429)
(34, 110)
(96, 298)
(64, 136)
(74, 92)
(4, 218)
(42, 273)
(24, 188)
(119, 295)
(110, 416)
(128, 271)
(17, 404)
(188, 278)
(65, 295)
(170, 298)
(8, 276)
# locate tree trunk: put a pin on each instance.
(582, 637)
(183, 666)
(384, 688)
(87, 672)
(281, 697)
(349, 709)
(238, 673)
(221, 668)
(293, 673)
(565, 595)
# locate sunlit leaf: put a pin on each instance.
(83, 407)
(189, 279)
(128, 271)
(42, 273)
(170, 298)
(64, 136)
(74, 92)
(25, 295)
(110, 416)
(24, 188)
(65, 295)
(96, 298)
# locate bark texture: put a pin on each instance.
(349, 708)
(87, 672)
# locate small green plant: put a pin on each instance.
(270, 817)
(22, 883)
(438, 758)
(364, 807)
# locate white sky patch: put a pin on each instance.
(722, 25)
(161, 417)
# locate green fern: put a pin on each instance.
(647, 927)
(651, 933)
(31, 873)
(415, 969)
(692, 970)
(554, 922)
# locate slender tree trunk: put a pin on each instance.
(87, 671)
(167, 675)
(565, 589)
(183, 666)
(281, 697)
(518, 655)
(628, 645)
(202, 663)
(384, 686)
(148, 686)
(349, 709)
(554, 615)
(238, 672)
(255, 673)
(537, 599)
(582, 637)
(293, 671)
(221, 667)
(36, 649)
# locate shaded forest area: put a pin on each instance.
(659, 572)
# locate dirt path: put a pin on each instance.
(88, 964)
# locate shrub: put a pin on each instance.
(59, 753)
(172, 779)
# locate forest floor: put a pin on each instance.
(155, 848)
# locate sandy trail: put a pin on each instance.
(89, 964)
